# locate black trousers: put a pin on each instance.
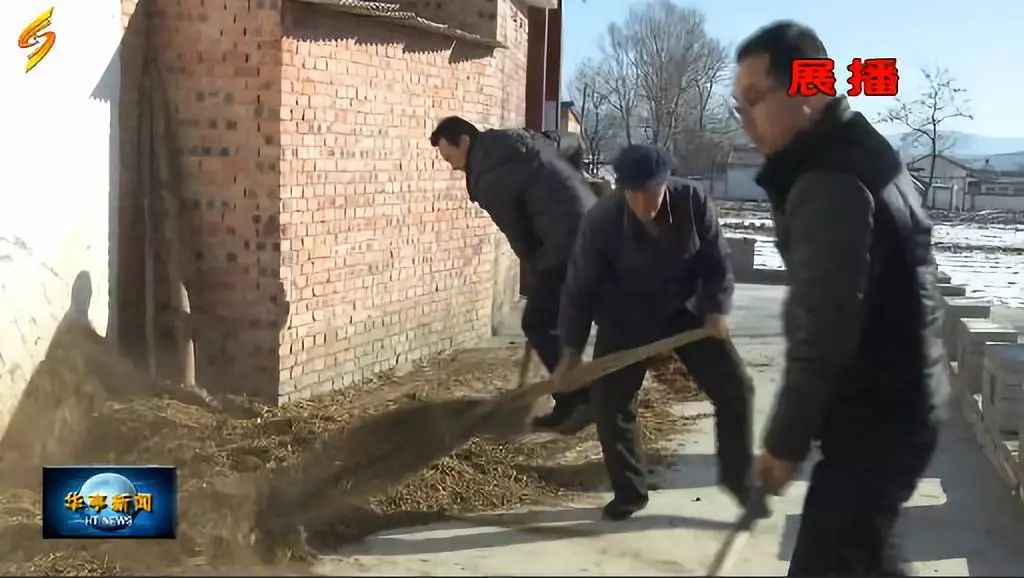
(857, 489)
(540, 325)
(717, 370)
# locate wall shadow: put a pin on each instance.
(68, 397)
(666, 471)
(80, 371)
(466, 51)
(525, 528)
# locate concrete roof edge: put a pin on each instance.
(392, 13)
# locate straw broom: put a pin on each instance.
(385, 451)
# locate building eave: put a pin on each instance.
(393, 14)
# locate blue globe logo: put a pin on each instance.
(107, 502)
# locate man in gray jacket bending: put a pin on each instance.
(537, 199)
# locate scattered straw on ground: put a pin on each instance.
(224, 461)
(671, 374)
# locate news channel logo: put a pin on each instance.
(109, 502)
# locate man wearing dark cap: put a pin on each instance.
(650, 261)
(865, 371)
(536, 198)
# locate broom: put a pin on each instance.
(383, 452)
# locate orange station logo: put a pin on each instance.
(36, 35)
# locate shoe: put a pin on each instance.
(566, 422)
(758, 508)
(618, 510)
(552, 420)
(581, 417)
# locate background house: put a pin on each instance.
(320, 237)
(743, 163)
(569, 119)
(974, 182)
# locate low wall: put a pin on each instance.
(986, 374)
(741, 257)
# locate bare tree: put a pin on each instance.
(595, 113)
(705, 150)
(616, 78)
(675, 69)
(713, 71)
(940, 101)
(666, 45)
(703, 143)
(659, 71)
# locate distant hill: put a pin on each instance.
(968, 144)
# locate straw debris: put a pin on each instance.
(230, 452)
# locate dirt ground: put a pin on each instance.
(96, 408)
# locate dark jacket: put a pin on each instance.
(531, 193)
(634, 284)
(864, 360)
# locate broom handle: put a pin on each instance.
(588, 372)
(737, 536)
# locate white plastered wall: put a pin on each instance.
(60, 178)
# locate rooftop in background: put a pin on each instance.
(1005, 163)
(988, 166)
(746, 155)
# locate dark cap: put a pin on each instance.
(642, 167)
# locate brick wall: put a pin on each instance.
(327, 240)
(511, 30)
(221, 61)
(384, 259)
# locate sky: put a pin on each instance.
(979, 42)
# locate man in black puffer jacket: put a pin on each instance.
(865, 370)
(537, 199)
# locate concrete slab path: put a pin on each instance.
(961, 521)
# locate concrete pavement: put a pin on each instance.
(961, 521)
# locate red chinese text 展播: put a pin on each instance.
(868, 77)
